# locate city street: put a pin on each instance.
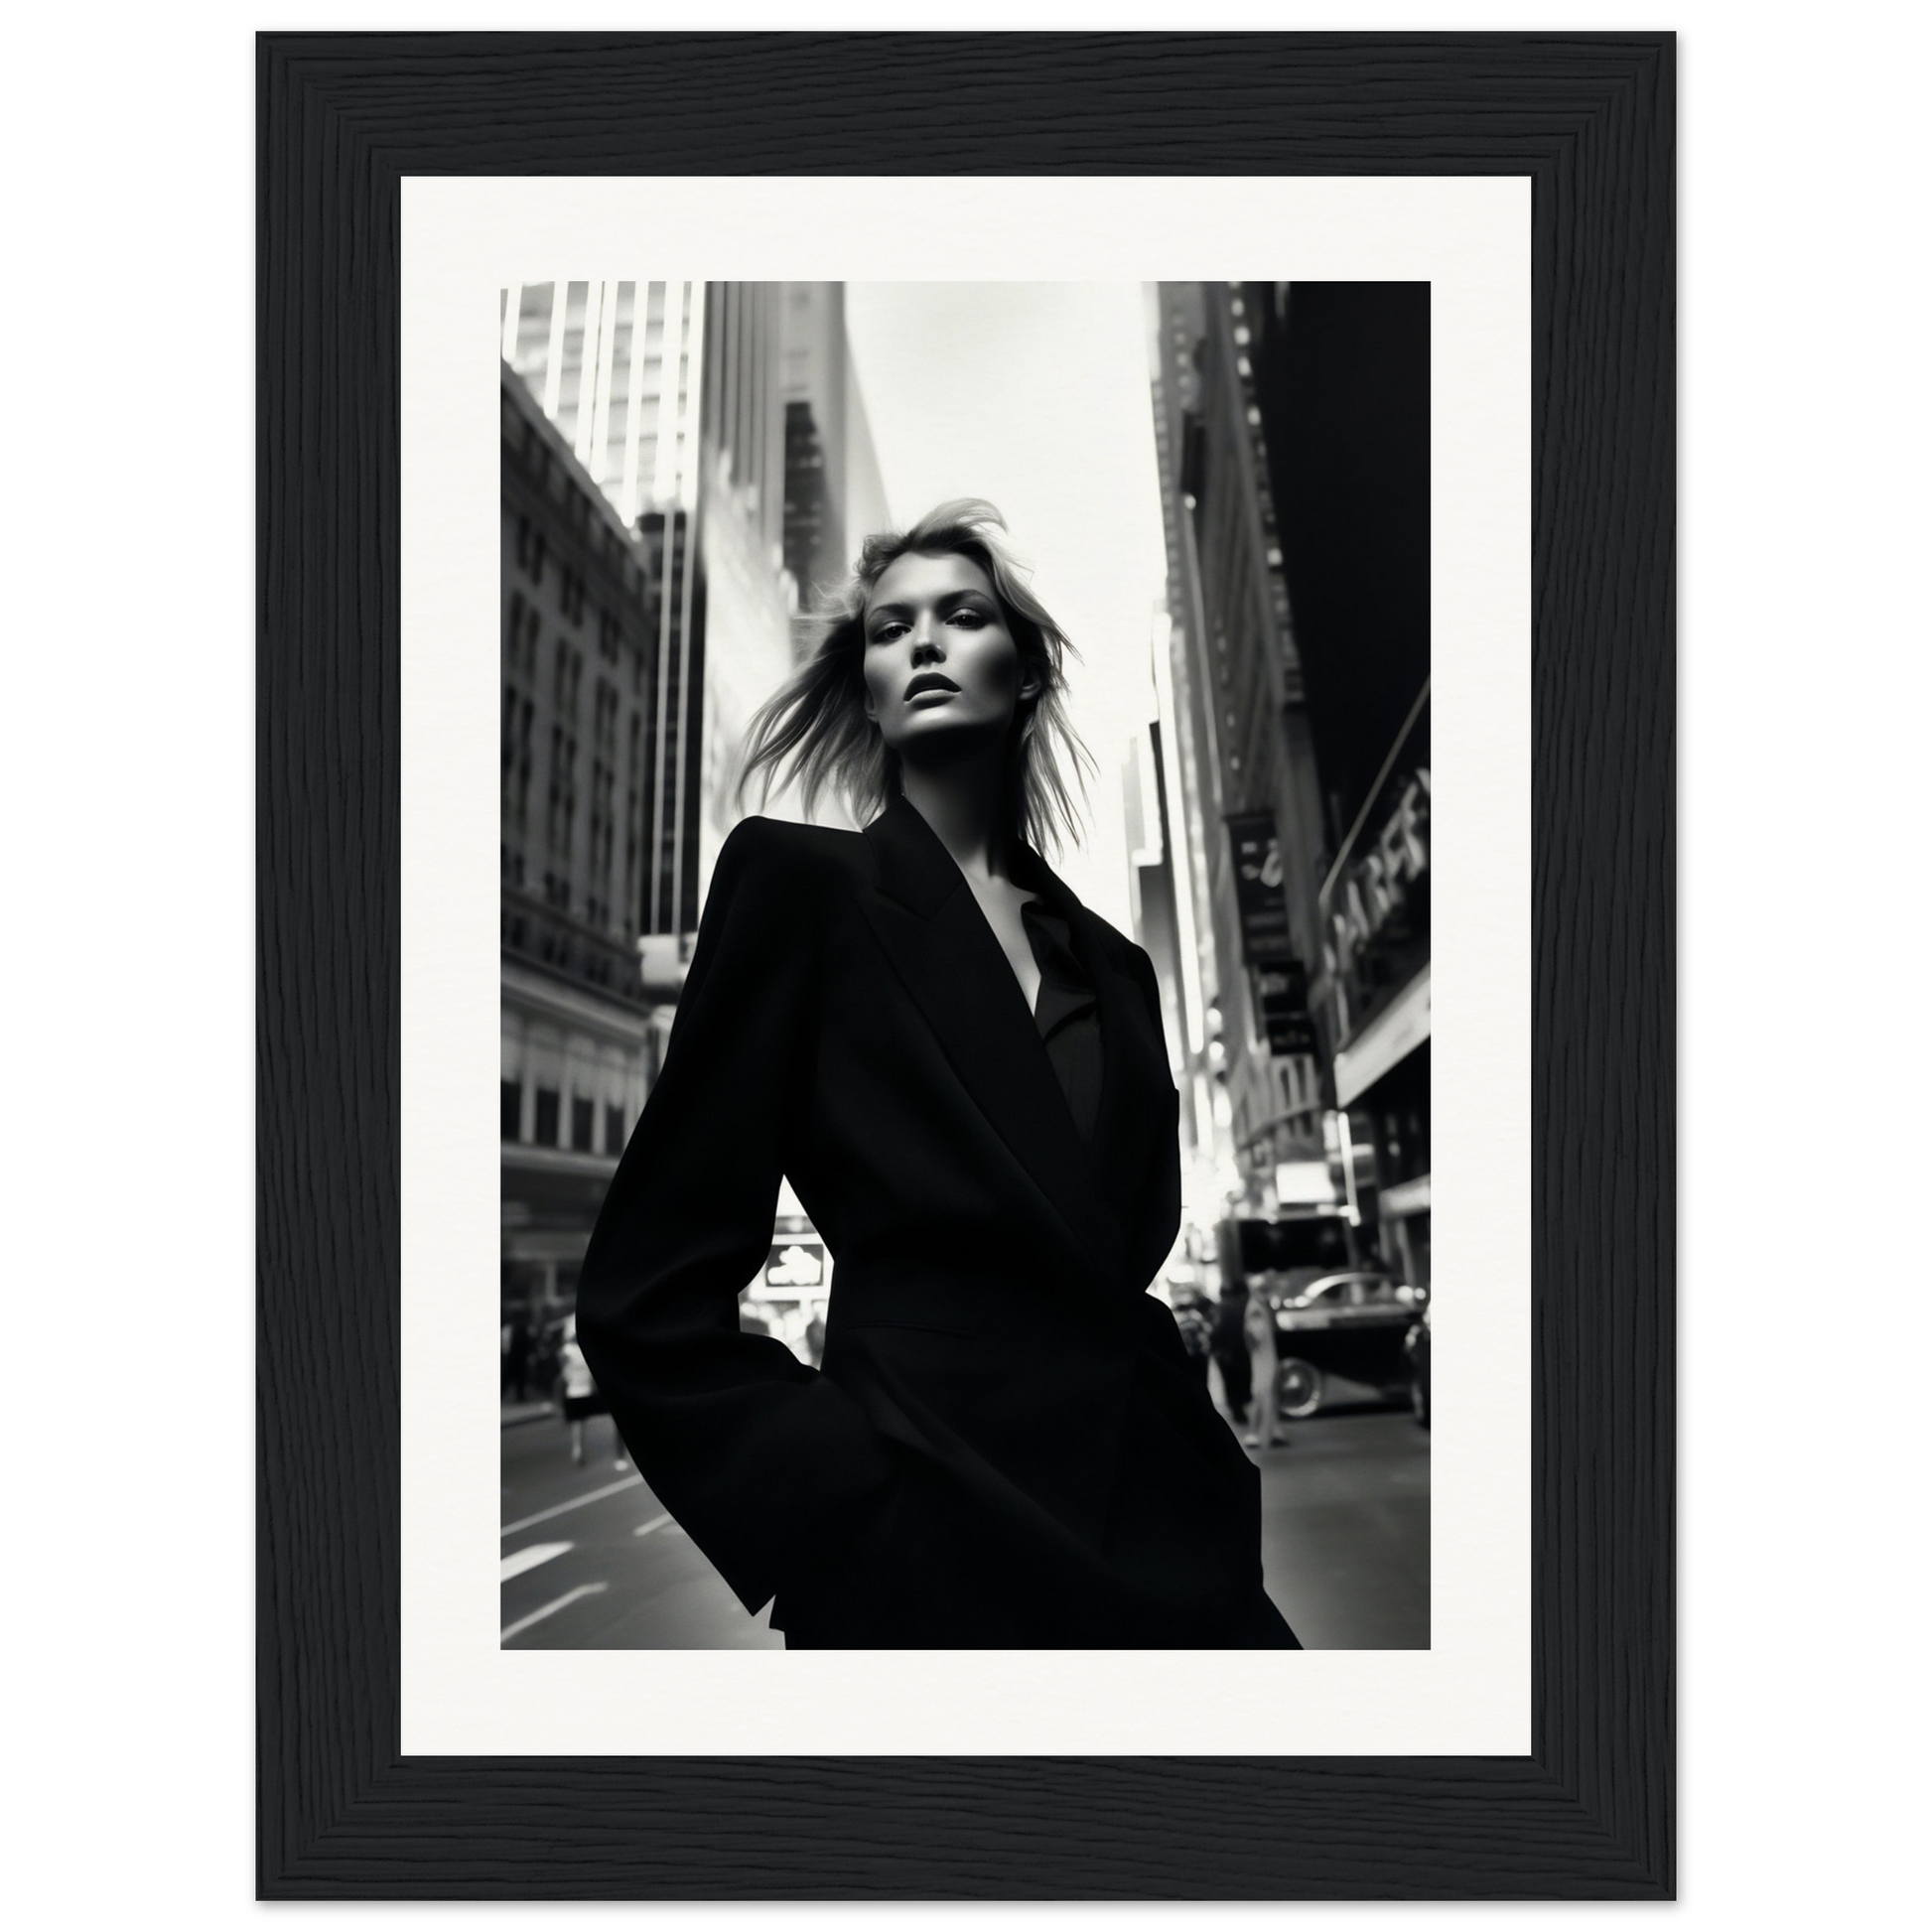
(590, 1562)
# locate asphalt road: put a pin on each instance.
(590, 1562)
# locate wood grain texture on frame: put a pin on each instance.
(1590, 1813)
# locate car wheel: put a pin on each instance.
(1419, 1400)
(1302, 1386)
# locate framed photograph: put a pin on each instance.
(908, 1395)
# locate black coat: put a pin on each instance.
(1005, 1447)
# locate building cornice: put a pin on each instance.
(525, 1157)
(527, 406)
(578, 1006)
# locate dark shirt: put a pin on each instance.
(1067, 1014)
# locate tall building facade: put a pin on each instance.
(1292, 434)
(1233, 707)
(723, 422)
(675, 455)
(1342, 385)
(580, 1039)
(834, 497)
(617, 369)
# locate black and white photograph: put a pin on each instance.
(963, 557)
(965, 965)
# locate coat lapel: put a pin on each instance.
(941, 947)
(1134, 1068)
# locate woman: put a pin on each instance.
(961, 1072)
(1264, 1371)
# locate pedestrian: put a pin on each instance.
(517, 1354)
(961, 1071)
(1229, 1351)
(1264, 1371)
(581, 1398)
(545, 1353)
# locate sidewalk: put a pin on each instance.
(533, 1411)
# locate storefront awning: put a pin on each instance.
(1392, 1035)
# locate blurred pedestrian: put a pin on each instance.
(546, 1342)
(1264, 1371)
(581, 1398)
(516, 1358)
(1229, 1350)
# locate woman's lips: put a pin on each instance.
(930, 687)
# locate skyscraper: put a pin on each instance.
(1234, 710)
(724, 422)
(616, 366)
(833, 494)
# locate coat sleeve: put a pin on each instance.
(753, 1453)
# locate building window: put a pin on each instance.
(547, 1099)
(512, 1091)
(614, 1130)
(582, 1118)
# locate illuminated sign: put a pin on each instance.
(1378, 886)
(1282, 1001)
(1304, 1183)
(796, 1263)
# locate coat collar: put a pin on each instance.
(942, 948)
(915, 868)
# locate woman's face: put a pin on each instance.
(940, 657)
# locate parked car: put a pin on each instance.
(1353, 1325)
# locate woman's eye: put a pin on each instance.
(972, 620)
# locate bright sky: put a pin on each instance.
(1036, 397)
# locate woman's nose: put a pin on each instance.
(926, 639)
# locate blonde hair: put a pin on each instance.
(815, 723)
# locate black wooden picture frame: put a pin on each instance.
(1588, 1813)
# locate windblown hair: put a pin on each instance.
(815, 724)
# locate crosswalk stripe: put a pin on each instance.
(576, 1502)
(520, 1561)
(569, 1597)
(655, 1522)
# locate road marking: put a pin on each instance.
(520, 1561)
(655, 1522)
(578, 1502)
(522, 1623)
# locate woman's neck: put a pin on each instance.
(964, 803)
